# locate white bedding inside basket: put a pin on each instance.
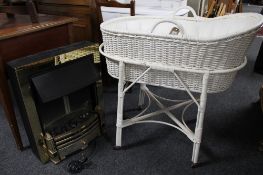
(197, 29)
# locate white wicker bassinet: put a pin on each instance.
(192, 54)
(216, 45)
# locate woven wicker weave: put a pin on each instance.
(191, 51)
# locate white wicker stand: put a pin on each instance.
(206, 76)
(196, 136)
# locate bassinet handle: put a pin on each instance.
(188, 8)
(178, 26)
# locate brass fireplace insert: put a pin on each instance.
(59, 95)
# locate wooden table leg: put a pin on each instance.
(8, 106)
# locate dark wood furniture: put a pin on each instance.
(113, 3)
(107, 80)
(86, 28)
(88, 14)
(19, 7)
(19, 38)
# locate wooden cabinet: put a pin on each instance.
(19, 38)
(86, 28)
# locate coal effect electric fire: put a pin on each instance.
(60, 104)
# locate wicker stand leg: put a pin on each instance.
(200, 120)
(121, 93)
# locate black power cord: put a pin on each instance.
(76, 166)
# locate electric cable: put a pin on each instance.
(76, 166)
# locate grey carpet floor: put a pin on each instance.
(232, 129)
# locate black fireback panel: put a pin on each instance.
(65, 79)
(39, 87)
